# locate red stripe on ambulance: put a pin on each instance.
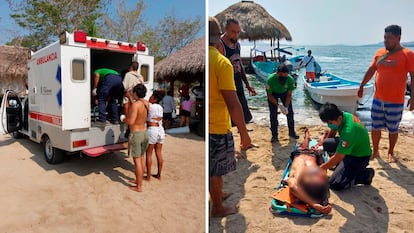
(51, 119)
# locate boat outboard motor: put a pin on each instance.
(318, 71)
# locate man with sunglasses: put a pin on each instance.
(230, 48)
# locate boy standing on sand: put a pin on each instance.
(138, 138)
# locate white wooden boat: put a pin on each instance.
(333, 89)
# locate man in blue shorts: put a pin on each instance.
(391, 64)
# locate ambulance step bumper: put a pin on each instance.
(100, 150)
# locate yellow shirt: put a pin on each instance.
(220, 78)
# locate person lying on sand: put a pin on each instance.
(307, 181)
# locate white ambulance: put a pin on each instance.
(58, 110)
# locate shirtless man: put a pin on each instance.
(138, 138)
(307, 181)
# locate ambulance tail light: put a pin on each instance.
(141, 46)
(80, 36)
(79, 143)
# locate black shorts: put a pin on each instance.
(308, 152)
(185, 113)
(221, 154)
(167, 116)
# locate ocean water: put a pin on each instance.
(349, 62)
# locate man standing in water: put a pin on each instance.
(230, 47)
(391, 64)
(138, 138)
(310, 66)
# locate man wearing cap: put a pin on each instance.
(279, 86)
(223, 103)
(230, 47)
(310, 66)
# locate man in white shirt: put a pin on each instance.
(310, 66)
(132, 78)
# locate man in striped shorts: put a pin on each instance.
(392, 64)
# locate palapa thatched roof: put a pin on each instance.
(13, 68)
(186, 65)
(255, 22)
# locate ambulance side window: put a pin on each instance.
(145, 72)
(78, 70)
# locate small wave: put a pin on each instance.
(330, 59)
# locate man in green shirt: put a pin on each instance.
(280, 85)
(107, 86)
(351, 150)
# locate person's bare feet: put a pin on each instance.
(392, 158)
(147, 178)
(375, 155)
(223, 212)
(157, 176)
(136, 188)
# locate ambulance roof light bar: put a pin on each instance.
(80, 36)
(141, 46)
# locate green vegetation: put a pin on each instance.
(44, 20)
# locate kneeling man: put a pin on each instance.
(351, 149)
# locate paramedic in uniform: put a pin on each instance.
(230, 48)
(107, 86)
(351, 149)
(280, 85)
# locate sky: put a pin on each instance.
(332, 22)
(155, 10)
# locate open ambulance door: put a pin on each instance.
(11, 113)
(146, 69)
(76, 90)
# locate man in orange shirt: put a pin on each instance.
(392, 64)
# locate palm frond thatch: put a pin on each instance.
(255, 22)
(186, 65)
(13, 68)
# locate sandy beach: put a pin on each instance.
(92, 195)
(385, 206)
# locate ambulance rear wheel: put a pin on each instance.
(52, 155)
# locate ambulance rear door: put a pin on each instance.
(76, 90)
(146, 69)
